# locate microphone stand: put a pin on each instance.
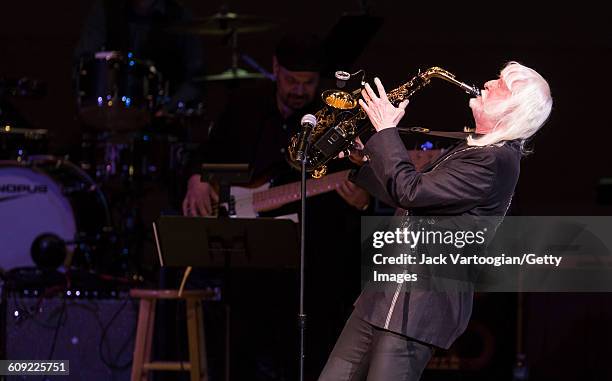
(302, 314)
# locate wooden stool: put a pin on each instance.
(141, 363)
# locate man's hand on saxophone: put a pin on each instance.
(380, 111)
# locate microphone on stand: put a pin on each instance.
(308, 123)
(341, 78)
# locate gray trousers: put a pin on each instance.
(366, 352)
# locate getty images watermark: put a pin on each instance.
(488, 253)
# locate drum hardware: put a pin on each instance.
(14, 137)
(88, 251)
(49, 251)
(234, 72)
(22, 87)
(129, 167)
(17, 143)
(187, 119)
(231, 75)
(186, 110)
(117, 92)
(229, 25)
(141, 156)
(223, 23)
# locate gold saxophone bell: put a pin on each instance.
(340, 100)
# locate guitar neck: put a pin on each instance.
(284, 194)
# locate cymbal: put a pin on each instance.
(229, 75)
(221, 24)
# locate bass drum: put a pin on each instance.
(48, 197)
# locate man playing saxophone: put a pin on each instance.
(391, 336)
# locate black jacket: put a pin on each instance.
(467, 180)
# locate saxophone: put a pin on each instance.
(342, 120)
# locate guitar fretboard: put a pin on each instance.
(284, 194)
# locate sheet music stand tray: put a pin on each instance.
(253, 243)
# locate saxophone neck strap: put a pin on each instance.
(446, 134)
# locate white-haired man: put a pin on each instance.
(391, 335)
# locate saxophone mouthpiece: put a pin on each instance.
(472, 90)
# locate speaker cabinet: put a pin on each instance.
(93, 330)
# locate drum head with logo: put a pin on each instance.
(51, 208)
(31, 204)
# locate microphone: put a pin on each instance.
(341, 78)
(308, 123)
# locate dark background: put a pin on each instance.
(570, 45)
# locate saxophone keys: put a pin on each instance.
(319, 172)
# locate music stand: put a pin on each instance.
(209, 242)
(226, 243)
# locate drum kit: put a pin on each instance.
(62, 211)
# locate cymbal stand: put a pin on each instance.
(234, 47)
(236, 55)
(252, 63)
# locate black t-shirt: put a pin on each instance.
(251, 130)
